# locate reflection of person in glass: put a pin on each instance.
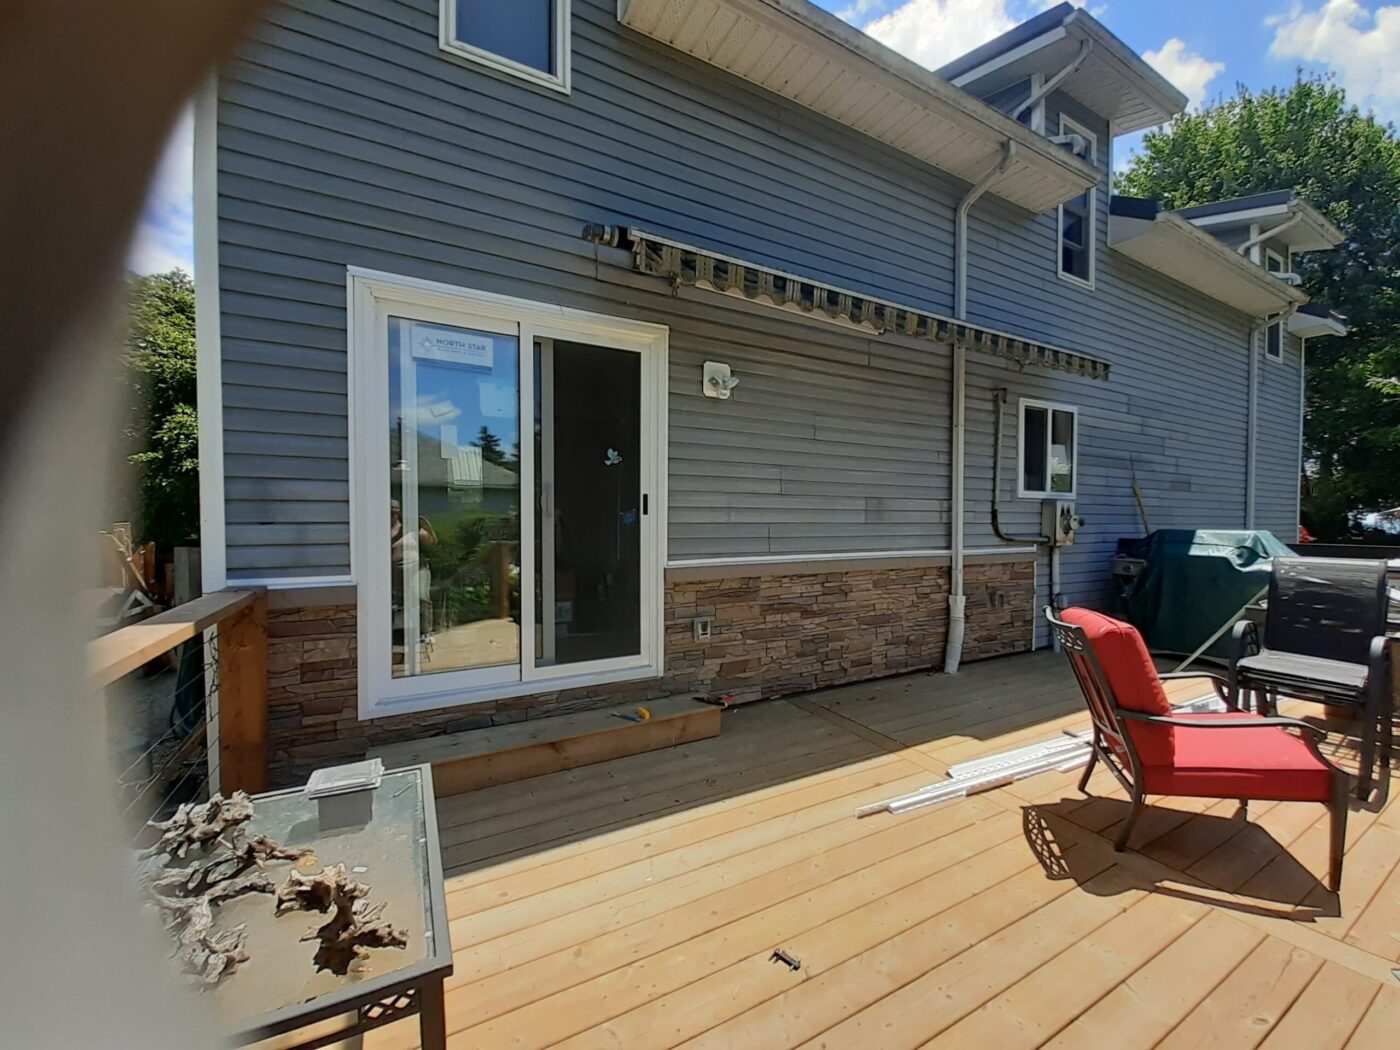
(427, 537)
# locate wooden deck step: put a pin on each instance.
(501, 754)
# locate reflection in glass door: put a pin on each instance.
(590, 509)
(454, 498)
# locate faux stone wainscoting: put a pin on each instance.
(772, 634)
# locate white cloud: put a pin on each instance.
(1192, 73)
(934, 32)
(859, 11)
(1360, 46)
(165, 234)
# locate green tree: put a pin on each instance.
(164, 431)
(1308, 138)
(490, 446)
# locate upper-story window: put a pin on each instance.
(1273, 335)
(525, 38)
(1079, 217)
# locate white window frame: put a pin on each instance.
(371, 296)
(1050, 408)
(1070, 126)
(1285, 266)
(559, 80)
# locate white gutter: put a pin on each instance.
(1260, 238)
(1055, 81)
(957, 597)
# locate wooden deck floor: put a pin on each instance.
(637, 903)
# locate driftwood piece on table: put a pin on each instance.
(233, 862)
(203, 953)
(186, 896)
(200, 825)
(353, 928)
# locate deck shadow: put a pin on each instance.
(1067, 850)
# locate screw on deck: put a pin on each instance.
(783, 957)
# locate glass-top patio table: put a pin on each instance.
(279, 990)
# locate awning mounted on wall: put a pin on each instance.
(687, 266)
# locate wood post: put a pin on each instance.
(242, 640)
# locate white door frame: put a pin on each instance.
(372, 297)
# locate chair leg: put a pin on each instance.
(1369, 724)
(1244, 808)
(1387, 726)
(1122, 843)
(1338, 807)
(1089, 769)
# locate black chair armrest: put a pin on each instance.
(1380, 654)
(1246, 640)
(1225, 723)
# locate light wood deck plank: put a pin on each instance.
(1381, 1023)
(1037, 1007)
(980, 906)
(1242, 1009)
(636, 902)
(553, 1019)
(1326, 1014)
(1147, 1005)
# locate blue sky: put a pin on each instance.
(1205, 47)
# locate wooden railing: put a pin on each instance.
(239, 618)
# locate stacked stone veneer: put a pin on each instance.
(771, 635)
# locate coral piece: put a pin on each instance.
(202, 825)
(353, 929)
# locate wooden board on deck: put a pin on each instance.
(503, 754)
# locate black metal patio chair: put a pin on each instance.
(1324, 640)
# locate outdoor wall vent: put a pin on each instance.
(702, 628)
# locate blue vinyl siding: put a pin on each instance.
(347, 138)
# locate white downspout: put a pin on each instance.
(1266, 235)
(1050, 85)
(1251, 436)
(957, 596)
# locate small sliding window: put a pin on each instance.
(523, 38)
(1049, 447)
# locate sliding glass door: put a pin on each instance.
(454, 498)
(590, 508)
(507, 468)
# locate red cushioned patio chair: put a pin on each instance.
(1152, 750)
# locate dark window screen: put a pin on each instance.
(1033, 450)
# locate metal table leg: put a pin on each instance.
(432, 1017)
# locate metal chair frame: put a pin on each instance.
(1112, 739)
(1366, 646)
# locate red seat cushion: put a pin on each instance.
(1266, 763)
(1131, 676)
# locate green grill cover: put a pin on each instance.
(1194, 582)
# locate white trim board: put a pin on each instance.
(1049, 408)
(372, 297)
(1068, 125)
(208, 339)
(791, 559)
